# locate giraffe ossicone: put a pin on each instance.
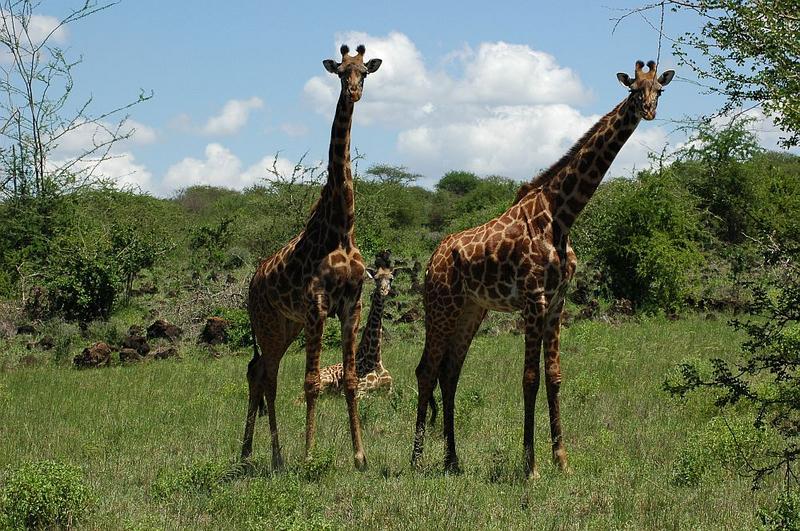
(319, 273)
(522, 261)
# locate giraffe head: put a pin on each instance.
(646, 88)
(352, 70)
(383, 274)
(383, 277)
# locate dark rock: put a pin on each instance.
(137, 343)
(215, 331)
(622, 307)
(412, 315)
(163, 353)
(98, 355)
(129, 355)
(161, 329)
(26, 329)
(47, 343)
(29, 360)
(590, 310)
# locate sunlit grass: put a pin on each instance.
(134, 428)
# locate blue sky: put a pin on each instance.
(488, 87)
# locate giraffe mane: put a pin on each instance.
(546, 176)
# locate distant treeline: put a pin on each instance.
(667, 238)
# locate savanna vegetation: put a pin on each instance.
(124, 336)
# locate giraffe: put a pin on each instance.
(371, 373)
(522, 261)
(319, 273)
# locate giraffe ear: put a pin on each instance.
(666, 77)
(370, 273)
(624, 78)
(373, 65)
(331, 66)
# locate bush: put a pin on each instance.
(82, 282)
(784, 516)
(732, 445)
(44, 494)
(644, 236)
(203, 478)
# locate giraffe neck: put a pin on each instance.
(573, 186)
(335, 208)
(368, 357)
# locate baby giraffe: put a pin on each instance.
(371, 373)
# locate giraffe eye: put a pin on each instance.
(660, 92)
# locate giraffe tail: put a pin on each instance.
(262, 404)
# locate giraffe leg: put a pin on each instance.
(468, 323)
(315, 321)
(350, 321)
(434, 408)
(255, 383)
(534, 318)
(273, 334)
(552, 367)
(449, 382)
(427, 374)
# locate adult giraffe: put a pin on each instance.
(522, 261)
(318, 273)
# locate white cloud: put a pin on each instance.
(502, 73)
(509, 140)
(120, 167)
(40, 27)
(119, 164)
(767, 133)
(232, 117)
(123, 169)
(220, 167)
(85, 135)
(293, 129)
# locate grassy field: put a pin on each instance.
(158, 442)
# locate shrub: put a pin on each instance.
(785, 515)
(44, 494)
(202, 478)
(644, 237)
(732, 445)
(82, 282)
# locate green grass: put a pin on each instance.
(158, 442)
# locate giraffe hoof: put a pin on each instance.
(453, 468)
(533, 475)
(360, 462)
(277, 464)
(560, 460)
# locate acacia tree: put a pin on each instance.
(36, 107)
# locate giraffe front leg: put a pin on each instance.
(534, 318)
(350, 320)
(315, 322)
(552, 367)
